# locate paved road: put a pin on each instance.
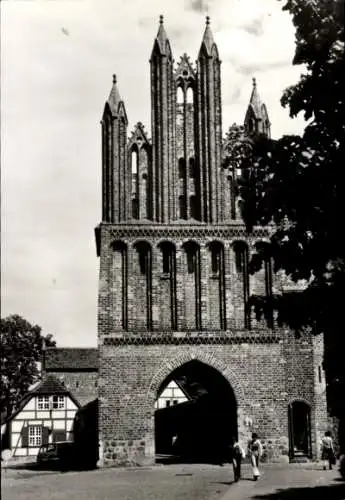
(174, 482)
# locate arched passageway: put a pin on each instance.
(196, 414)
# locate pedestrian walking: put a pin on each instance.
(327, 451)
(255, 452)
(237, 454)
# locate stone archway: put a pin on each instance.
(201, 427)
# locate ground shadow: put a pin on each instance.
(175, 459)
(53, 467)
(331, 492)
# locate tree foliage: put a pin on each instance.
(296, 183)
(21, 348)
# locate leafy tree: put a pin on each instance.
(296, 183)
(21, 348)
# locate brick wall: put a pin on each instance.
(83, 385)
(261, 376)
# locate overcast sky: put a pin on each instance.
(57, 61)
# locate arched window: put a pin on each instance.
(190, 96)
(242, 264)
(135, 184)
(180, 95)
(134, 162)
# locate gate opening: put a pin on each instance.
(300, 436)
(196, 415)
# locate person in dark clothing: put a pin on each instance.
(237, 454)
(327, 451)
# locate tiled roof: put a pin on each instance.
(50, 385)
(71, 359)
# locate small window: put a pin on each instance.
(134, 162)
(58, 402)
(43, 403)
(180, 95)
(190, 95)
(77, 384)
(241, 256)
(143, 253)
(191, 168)
(135, 208)
(167, 403)
(193, 205)
(175, 402)
(182, 207)
(215, 260)
(96, 383)
(181, 168)
(166, 261)
(35, 435)
(190, 260)
(320, 374)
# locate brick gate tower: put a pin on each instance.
(174, 283)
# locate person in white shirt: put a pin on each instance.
(255, 453)
(327, 451)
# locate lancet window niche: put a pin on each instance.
(120, 289)
(216, 285)
(167, 294)
(182, 188)
(267, 273)
(192, 295)
(143, 285)
(242, 269)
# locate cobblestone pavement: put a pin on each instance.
(174, 482)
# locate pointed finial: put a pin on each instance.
(207, 20)
(161, 19)
(254, 82)
(114, 79)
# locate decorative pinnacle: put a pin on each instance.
(207, 20)
(114, 79)
(254, 82)
(161, 19)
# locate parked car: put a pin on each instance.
(60, 455)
